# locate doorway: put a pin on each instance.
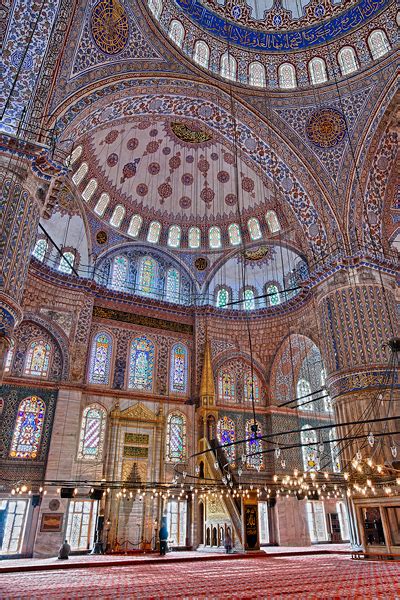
(81, 524)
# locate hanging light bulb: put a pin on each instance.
(393, 450)
(283, 463)
(321, 447)
(216, 465)
(197, 469)
(240, 471)
(371, 439)
(277, 452)
(228, 476)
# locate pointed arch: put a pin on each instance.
(179, 369)
(80, 173)
(253, 225)
(176, 437)
(28, 428)
(272, 221)
(100, 359)
(235, 236)
(176, 32)
(194, 237)
(153, 234)
(92, 433)
(102, 204)
(117, 216)
(89, 190)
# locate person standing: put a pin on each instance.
(64, 551)
(163, 537)
(228, 541)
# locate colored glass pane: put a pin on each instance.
(172, 286)
(234, 234)
(228, 66)
(147, 275)
(102, 204)
(378, 43)
(80, 173)
(176, 438)
(135, 225)
(117, 216)
(309, 449)
(201, 53)
(153, 234)
(272, 221)
(222, 297)
(141, 364)
(317, 69)
(226, 435)
(251, 388)
(73, 157)
(174, 236)
(249, 302)
(91, 438)
(254, 228)
(254, 458)
(179, 368)
(9, 357)
(347, 60)
(287, 76)
(39, 250)
(100, 359)
(257, 74)
(66, 262)
(28, 428)
(194, 237)
(119, 272)
(273, 295)
(335, 451)
(89, 190)
(214, 237)
(155, 7)
(176, 32)
(304, 396)
(226, 386)
(37, 359)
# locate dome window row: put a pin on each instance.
(250, 298)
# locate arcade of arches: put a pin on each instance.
(199, 252)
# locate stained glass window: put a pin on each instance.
(287, 76)
(176, 437)
(117, 216)
(153, 234)
(172, 286)
(378, 43)
(254, 460)
(249, 301)
(155, 7)
(309, 449)
(38, 359)
(273, 295)
(214, 237)
(347, 60)
(257, 74)
(201, 54)
(119, 272)
(228, 66)
(141, 364)
(226, 434)
(66, 262)
(179, 367)
(304, 395)
(251, 387)
(91, 439)
(254, 228)
(102, 204)
(174, 236)
(135, 225)
(100, 359)
(73, 157)
(226, 386)
(234, 234)
(272, 221)
(222, 297)
(89, 190)
(176, 32)
(9, 357)
(147, 276)
(194, 237)
(317, 70)
(28, 428)
(80, 173)
(335, 451)
(39, 250)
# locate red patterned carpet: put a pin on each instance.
(326, 577)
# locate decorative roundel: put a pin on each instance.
(54, 504)
(101, 237)
(201, 263)
(326, 127)
(109, 25)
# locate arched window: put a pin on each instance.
(28, 428)
(226, 435)
(273, 295)
(80, 173)
(317, 70)
(226, 386)
(257, 74)
(93, 427)
(309, 449)
(119, 272)
(179, 368)
(172, 286)
(214, 237)
(147, 276)
(9, 357)
(234, 234)
(37, 360)
(155, 7)
(117, 216)
(102, 204)
(254, 228)
(40, 249)
(176, 437)
(334, 447)
(378, 43)
(135, 225)
(287, 76)
(327, 399)
(194, 237)
(153, 234)
(249, 302)
(254, 458)
(228, 67)
(67, 262)
(251, 388)
(222, 297)
(272, 221)
(347, 60)
(304, 396)
(73, 157)
(176, 32)
(201, 54)
(89, 190)
(141, 364)
(174, 236)
(100, 359)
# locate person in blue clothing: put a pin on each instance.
(163, 537)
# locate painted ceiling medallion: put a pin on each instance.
(201, 263)
(189, 134)
(110, 26)
(326, 127)
(101, 237)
